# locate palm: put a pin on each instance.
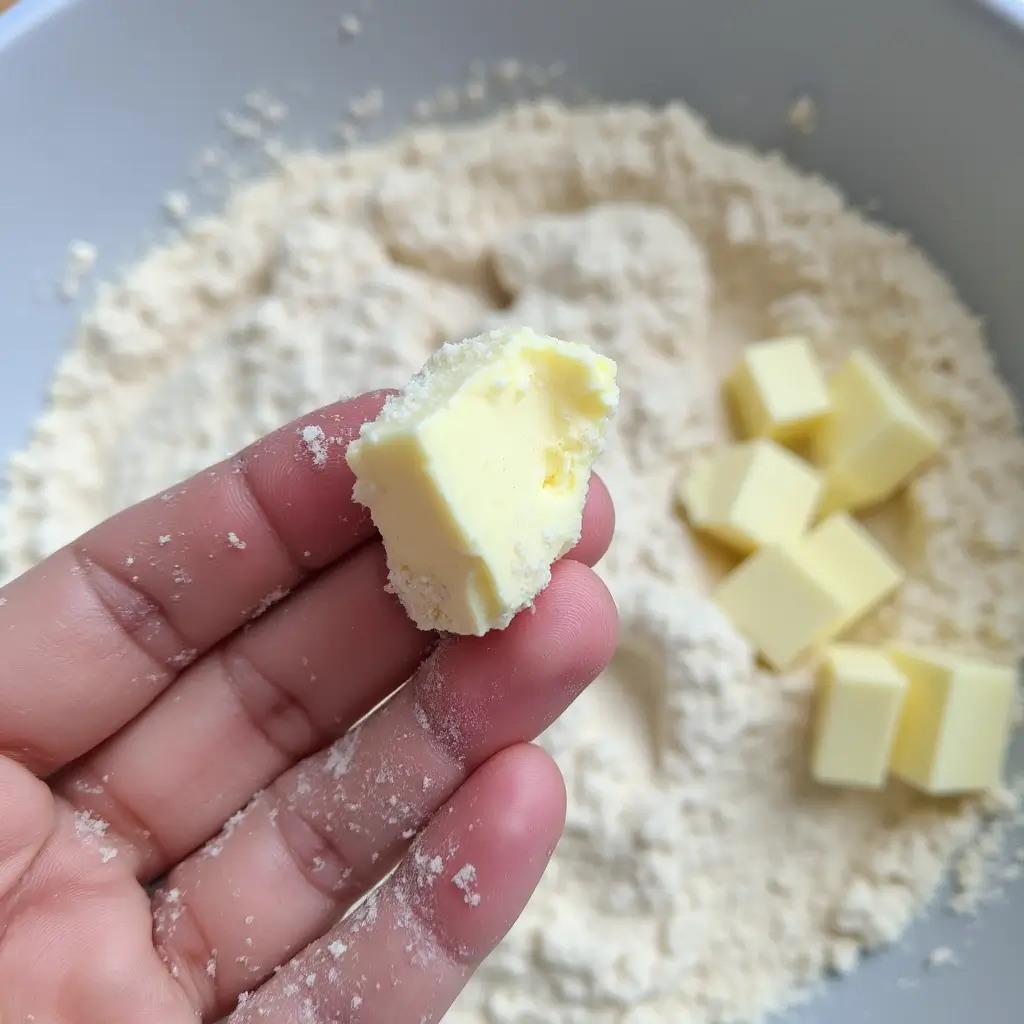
(80, 947)
(189, 733)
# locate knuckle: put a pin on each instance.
(272, 710)
(135, 614)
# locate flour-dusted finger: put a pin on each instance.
(104, 625)
(404, 954)
(271, 695)
(328, 830)
(598, 524)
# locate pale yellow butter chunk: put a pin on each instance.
(874, 441)
(857, 710)
(751, 494)
(956, 722)
(476, 475)
(778, 390)
(779, 600)
(859, 571)
(693, 492)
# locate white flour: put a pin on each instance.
(702, 876)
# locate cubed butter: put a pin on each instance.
(779, 600)
(874, 441)
(860, 572)
(476, 475)
(778, 390)
(956, 721)
(857, 711)
(693, 492)
(751, 494)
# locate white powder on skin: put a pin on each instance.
(343, 753)
(92, 829)
(702, 875)
(465, 881)
(89, 826)
(316, 442)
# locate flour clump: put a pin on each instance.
(702, 877)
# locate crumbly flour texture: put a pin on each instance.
(702, 876)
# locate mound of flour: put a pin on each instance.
(702, 876)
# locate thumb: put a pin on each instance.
(26, 821)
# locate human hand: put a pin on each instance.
(144, 700)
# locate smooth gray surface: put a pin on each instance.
(104, 104)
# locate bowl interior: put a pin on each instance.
(104, 105)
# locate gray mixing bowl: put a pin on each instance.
(104, 103)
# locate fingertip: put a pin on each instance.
(524, 780)
(528, 787)
(299, 482)
(483, 694)
(598, 524)
(361, 408)
(495, 837)
(580, 620)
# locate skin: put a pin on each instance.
(164, 723)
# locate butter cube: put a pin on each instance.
(476, 475)
(778, 390)
(778, 599)
(859, 699)
(874, 441)
(860, 572)
(694, 490)
(956, 721)
(751, 494)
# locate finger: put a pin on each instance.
(101, 627)
(334, 825)
(26, 821)
(290, 684)
(404, 955)
(598, 524)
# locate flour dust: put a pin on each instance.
(702, 877)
